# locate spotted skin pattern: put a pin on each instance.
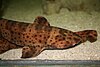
(38, 36)
(5, 45)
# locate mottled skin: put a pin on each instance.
(38, 36)
(5, 45)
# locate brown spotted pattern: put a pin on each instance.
(90, 35)
(38, 36)
(6, 45)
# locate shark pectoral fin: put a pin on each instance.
(30, 51)
(27, 52)
(38, 51)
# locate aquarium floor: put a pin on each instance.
(74, 21)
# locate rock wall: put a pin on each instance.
(54, 6)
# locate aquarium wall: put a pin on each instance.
(73, 15)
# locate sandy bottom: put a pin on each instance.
(74, 21)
